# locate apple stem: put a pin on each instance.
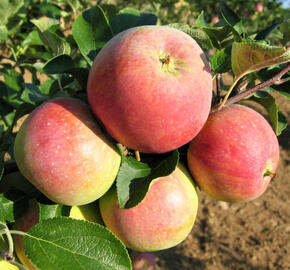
(137, 155)
(227, 102)
(269, 173)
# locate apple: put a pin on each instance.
(162, 220)
(5, 265)
(215, 20)
(235, 155)
(143, 261)
(61, 150)
(151, 87)
(89, 212)
(259, 7)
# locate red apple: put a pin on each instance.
(259, 7)
(235, 155)
(61, 150)
(162, 220)
(215, 20)
(151, 87)
(143, 261)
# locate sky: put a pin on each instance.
(286, 3)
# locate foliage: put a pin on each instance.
(47, 48)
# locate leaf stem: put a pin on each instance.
(9, 238)
(19, 265)
(250, 91)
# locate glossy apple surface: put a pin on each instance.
(61, 150)
(162, 220)
(151, 87)
(235, 155)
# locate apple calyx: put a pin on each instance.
(169, 64)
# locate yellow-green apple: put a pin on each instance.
(151, 87)
(162, 220)
(235, 155)
(89, 212)
(61, 150)
(5, 265)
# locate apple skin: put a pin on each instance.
(259, 7)
(162, 220)
(215, 20)
(4, 265)
(229, 157)
(63, 153)
(151, 87)
(89, 212)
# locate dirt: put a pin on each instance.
(252, 235)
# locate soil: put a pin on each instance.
(252, 235)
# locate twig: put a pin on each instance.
(251, 91)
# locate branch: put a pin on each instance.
(251, 91)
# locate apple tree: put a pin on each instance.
(47, 51)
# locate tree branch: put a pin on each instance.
(251, 91)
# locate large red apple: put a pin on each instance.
(61, 150)
(235, 155)
(162, 220)
(151, 87)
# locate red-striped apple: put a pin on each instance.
(61, 150)
(162, 220)
(151, 87)
(235, 155)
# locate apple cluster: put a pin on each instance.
(151, 88)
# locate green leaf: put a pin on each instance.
(3, 35)
(2, 154)
(283, 88)
(47, 32)
(221, 37)
(51, 11)
(128, 18)
(6, 209)
(200, 21)
(11, 90)
(91, 31)
(231, 17)
(250, 56)
(32, 39)
(277, 118)
(65, 64)
(52, 210)
(32, 94)
(266, 32)
(130, 169)
(161, 165)
(58, 64)
(67, 244)
(221, 61)
(197, 34)
(8, 8)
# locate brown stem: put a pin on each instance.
(254, 89)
